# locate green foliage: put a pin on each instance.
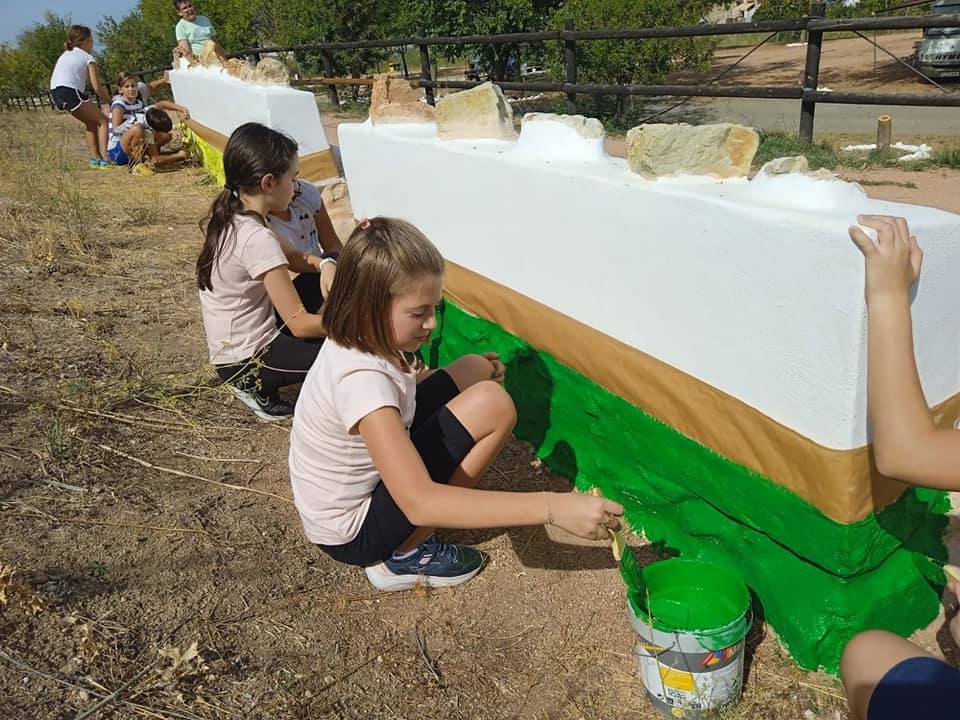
(478, 17)
(27, 67)
(643, 62)
(290, 22)
(775, 145)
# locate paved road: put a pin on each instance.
(784, 115)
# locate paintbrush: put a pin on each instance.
(623, 554)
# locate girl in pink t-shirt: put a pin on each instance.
(383, 451)
(263, 329)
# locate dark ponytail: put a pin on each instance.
(76, 35)
(252, 152)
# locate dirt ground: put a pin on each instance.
(847, 64)
(151, 562)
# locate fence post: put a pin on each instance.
(570, 53)
(327, 58)
(425, 71)
(811, 73)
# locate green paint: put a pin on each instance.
(689, 596)
(819, 581)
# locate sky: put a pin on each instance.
(19, 15)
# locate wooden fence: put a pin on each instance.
(808, 93)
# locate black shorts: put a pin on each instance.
(67, 99)
(442, 441)
(916, 687)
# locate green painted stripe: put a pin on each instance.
(819, 581)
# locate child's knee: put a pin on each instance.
(853, 652)
(497, 402)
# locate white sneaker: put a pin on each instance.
(433, 564)
(266, 410)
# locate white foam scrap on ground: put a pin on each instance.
(824, 88)
(914, 152)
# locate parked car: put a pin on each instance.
(938, 53)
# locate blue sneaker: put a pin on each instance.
(433, 564)
(105, 165)
(94, 164)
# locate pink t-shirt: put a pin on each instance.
(332, 473)
(237, 313)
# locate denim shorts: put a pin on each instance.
(117, 156)
(917, 687)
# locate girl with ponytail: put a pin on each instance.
(243, 279)
(68, 85)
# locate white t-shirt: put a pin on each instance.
(301, 229)
(237, 313)
(132, 113)
(332, 473)
(71, 69)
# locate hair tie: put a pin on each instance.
(234, 191)
(364, 223)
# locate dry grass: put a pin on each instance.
(160, 570)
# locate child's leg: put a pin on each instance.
(158, 158)
(487, 413)
(867, 658)
(90, 115)
(285, 362)
(469, 370)
(132, 142)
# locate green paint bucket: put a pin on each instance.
(691, 618)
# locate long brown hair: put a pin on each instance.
(252, 152)
(383, 258)
(75, 35)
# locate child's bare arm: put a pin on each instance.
(155, 85)
(329, 240)
(286, 301)
(906, 443)
(94, 73)
(170, 105)
(430, 504)
(116, 114)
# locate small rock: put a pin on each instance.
(270, 71)
(723, 150)
(481, 112)
(785, 165)
(392, 100)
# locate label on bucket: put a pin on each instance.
(687, 691)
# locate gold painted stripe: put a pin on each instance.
(843, 484)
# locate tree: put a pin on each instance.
(624, 62)
(145, 37)
(477, 17)
(27, 67)
(291, 22)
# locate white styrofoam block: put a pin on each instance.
(223, 103)
(757, 293)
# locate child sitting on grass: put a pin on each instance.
(128, 125)
(886, 676)
(142, 140)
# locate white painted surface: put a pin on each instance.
(754, 289)
(223, 103)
